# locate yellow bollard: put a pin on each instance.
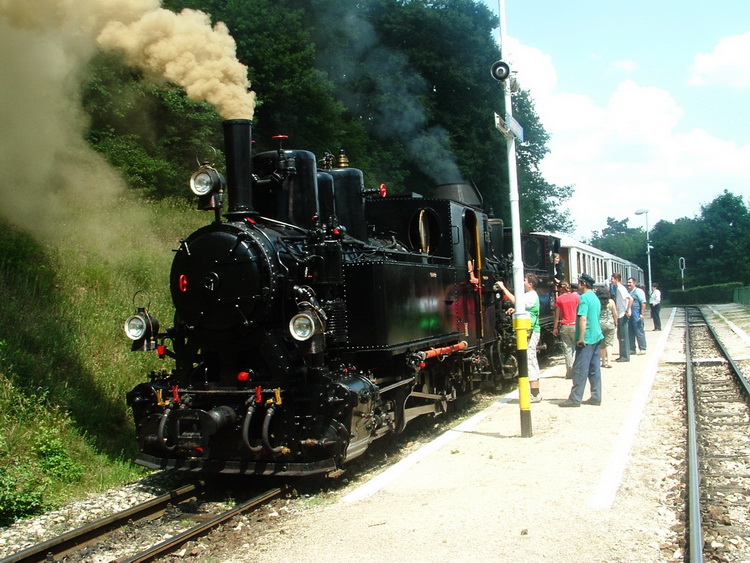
(522, 326)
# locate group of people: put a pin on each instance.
(586, 320)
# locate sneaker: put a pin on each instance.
(568, 403)
(537, 398)
(641, 352)
(621, 360)
(592, 402)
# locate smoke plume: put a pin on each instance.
(397, 91)
(184, 49)
(53, 183)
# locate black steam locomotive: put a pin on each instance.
(317, 316)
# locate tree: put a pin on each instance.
(151, 132)
(383, 79)
(541, 202)
(672, 241)
(714, 246)
(396, 66)
(623, 241)
(721, 252)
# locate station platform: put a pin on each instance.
(595, 483)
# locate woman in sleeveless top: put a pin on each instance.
(607, 322)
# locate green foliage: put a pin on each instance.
(21, 486)
(143, 172)
(719, 293)
(151, 132)
(742, 295)
(714, 246)
(623, 241)
(54, 459)
(21, 492)
(65, 364)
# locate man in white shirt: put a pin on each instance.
(624, 302)
(655, 302)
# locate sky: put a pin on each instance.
(646, 102)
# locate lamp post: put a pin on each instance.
(648, 248)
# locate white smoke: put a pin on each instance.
(52, 179)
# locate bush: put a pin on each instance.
(21, 488)
(720, 293)
(54, 460)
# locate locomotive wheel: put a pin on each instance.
(510, 366)
(496, 365)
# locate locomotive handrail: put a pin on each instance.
(282, 223)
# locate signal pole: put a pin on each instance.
(521, 318)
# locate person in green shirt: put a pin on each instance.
(587, 363)
(531, 305)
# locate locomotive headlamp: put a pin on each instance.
(136, 327)
(304, 325)
(141, 328)
(208, 185)
(205, 180)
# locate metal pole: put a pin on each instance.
(521, 318)
(648, 255)
(648, 247)
(681, 263)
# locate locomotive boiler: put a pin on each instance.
(316, 316)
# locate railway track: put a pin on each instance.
(76, 543)
(718, 412)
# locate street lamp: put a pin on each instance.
(648, 248)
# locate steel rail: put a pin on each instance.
(173, 543)
(695, 521)
(75, 539)
(736, 370)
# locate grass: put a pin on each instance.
(65, 363)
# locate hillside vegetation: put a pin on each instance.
(65, 363)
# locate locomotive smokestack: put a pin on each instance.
(238, 149)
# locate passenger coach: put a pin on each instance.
(579, 258)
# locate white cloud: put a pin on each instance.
(728, 64)
(625, 66)
(543, 79)
(628, 153)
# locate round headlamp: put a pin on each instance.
(302, 326)
(204, 181)
(141, 325)
(136, 327)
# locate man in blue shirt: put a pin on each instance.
(637, 313)
(587, 364)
